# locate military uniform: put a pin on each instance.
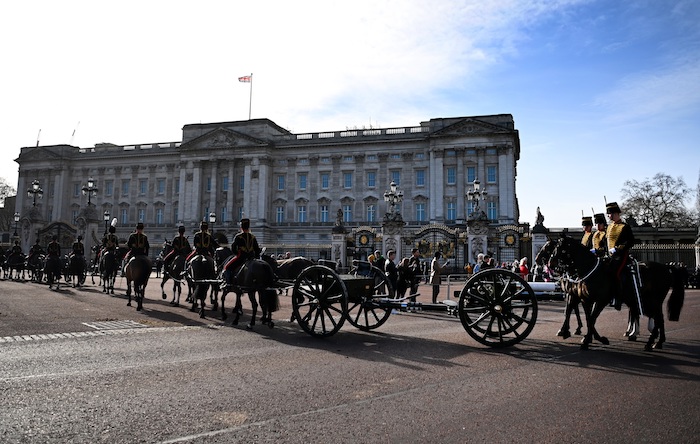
(587, 239)
(600, 241)
(245, 246)
(620, 241)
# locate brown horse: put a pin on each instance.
(598, 286)
(138, 270)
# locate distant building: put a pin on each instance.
(291, 186)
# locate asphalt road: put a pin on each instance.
(80, 366)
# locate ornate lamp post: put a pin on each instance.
(212, 219)
(105, 217)
(17, 216)
(90, 189)
(476, 195)
(393, 197)
(35, 191)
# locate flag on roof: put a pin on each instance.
(245, 79)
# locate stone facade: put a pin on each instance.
(290, 185)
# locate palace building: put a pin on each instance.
(295, 188)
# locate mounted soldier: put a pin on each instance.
(36, 250)
(137, 244)
(179, 246)
(587, 238)
(244, 247)
(204, 242)
(620, 241)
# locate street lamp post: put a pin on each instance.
(476, 195)
(35, 191)
(393, 197)
(105, 216)
(90, 189)
(17, 216)
(212, 219)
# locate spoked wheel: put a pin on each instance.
(497, 308)
(364, 312)
(319, 301)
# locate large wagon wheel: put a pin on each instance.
(363, 310)
(319, 301)
(497, 308)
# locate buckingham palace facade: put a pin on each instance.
(293, 187)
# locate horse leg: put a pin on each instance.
(632, 326)
(162, 286)
(139, 293)
(128, 292)
(254, 304)
(237, 309)
(578, 318)
(202, 290)
(564, 330)
(223, 300)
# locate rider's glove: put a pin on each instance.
(613, 250)
(593, 250)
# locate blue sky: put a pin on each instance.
(601, 91)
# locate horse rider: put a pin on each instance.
(180, 245)
(245, 246)
(109, 243)
(78, 249)
(587, 238)
(36, 250)
(15, 251)
(620, 242)
(204, 242)
(137, 244)
(53, 250)
(600, 242)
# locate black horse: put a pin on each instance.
(53, 271)
(201, 274)
(14, 267)
(598, 285)
(77, 269)
(35, 266)
(174, 270)
(255, 276)
(572, 298)
(109, 267)
(138, 270)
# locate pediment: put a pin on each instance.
(222, 138)
(39, 153)
(471, 127)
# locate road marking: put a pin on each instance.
(129, 328)
(114, 325)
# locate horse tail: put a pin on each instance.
(675, 302)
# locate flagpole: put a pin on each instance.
(250, 100)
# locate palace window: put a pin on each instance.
(347, 180)
(301, 213)
(325, 181)
(302, 181)
(451, 211)
(279, 215)
(471, 174)
(451, 175)
(280, 182)
(371, 179)
(420, 178)
(347, 213)
(491, 174)
(420, 212)
(143, 187)
(324, 213)
(396, 177)
(371, 213)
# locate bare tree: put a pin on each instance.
(6, 214)
(659, 201)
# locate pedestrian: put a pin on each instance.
(405, 277)
(479, 262)
(524, 270)
(435, 274)
(390, 270)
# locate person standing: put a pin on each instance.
(391, 271)
(524, 270)
(414, 265)
(620, 241)
(436, 274)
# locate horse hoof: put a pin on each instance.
(659, 345)
(271, 324)
(564, 334)
(648, 347)
(223, 316)
(604, 340)
(128, 304)
(578, 331)
(164, 296)
(632, 338)
(139, 308)
(249, 327)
